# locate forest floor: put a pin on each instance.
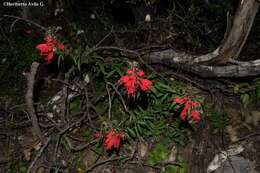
(233, 127)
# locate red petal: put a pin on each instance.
(49, 57)
(195, 104)
(145, 84)
(131, 71)
(195, 115)
(55, 41)
(61, 47)
(185, 110)
(140, 73)
(113, 139)
(124, 79)
(183, 114)
(180, 100)
(130, 85)
(131, 91)
(44, 48)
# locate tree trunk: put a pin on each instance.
(236, 37)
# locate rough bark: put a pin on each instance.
(237, 69)
(217, 63)
(236, 37)
(30, 102)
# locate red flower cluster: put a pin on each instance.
(113, 139)
(190, 107)
(133, 80)
(48, 48)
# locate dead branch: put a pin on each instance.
(106, 161)
(226, 53)
(30, 102)
(238, 69)
(23, 19)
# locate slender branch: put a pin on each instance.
(30, 102)
(130, 52)
(247, 136)
(26, 20)
(109, 102)
(82, 147)
(105, 161)
(104, 38)
(88, 106)
(120, 96)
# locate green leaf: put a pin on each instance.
(236, 88)
(158, 154)
(257, 91)
(131, 132)
(245, 99)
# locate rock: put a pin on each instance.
(239, 164)
(143, 148)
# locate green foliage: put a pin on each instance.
(145, 123)
(21, 167)
(76, 162)
(218, 122)
(239, 86)
(247, 92)
(245, 99)
(157, 118)
(74, 105)
(87, 135)
(158, 154)
(174, 132)
(257, 90)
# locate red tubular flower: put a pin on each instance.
(113, 139)
(133, 80)
(140, 73)
(180, 100)
(47, 49)
(145, 84)
(189, 107)
(131, 72)
(49, 57)
(185, 110)
(60, 45)
(195, 115)
(129, 83)
(195, 104)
